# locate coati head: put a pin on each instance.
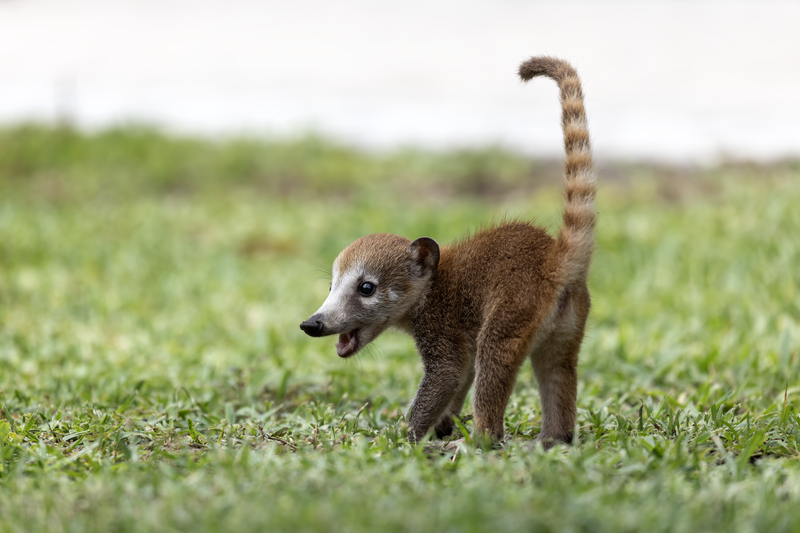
(376, 281)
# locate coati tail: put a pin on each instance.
(576, 240)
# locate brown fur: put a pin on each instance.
(478, 308)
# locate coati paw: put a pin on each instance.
(549, 442)
(444, 429)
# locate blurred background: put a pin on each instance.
(666, 81)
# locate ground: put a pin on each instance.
(153, 376)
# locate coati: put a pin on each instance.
(478, 307)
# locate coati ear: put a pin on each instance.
(423, 257)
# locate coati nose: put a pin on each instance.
(313, 326)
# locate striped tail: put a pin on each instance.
(575, 243)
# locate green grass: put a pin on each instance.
(153, 375)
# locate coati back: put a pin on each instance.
(477, 308)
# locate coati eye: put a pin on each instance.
(366, 288)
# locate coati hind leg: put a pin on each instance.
(555, 364)
(499, 357)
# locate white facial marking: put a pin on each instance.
(342, 288)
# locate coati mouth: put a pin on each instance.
(348, 343)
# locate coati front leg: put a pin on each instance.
(446, 425)
(447, 373)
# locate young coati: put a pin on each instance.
(477, 308)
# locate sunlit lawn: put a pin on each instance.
(153, 375)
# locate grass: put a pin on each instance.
(153, 377)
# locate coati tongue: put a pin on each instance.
(347, 343)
